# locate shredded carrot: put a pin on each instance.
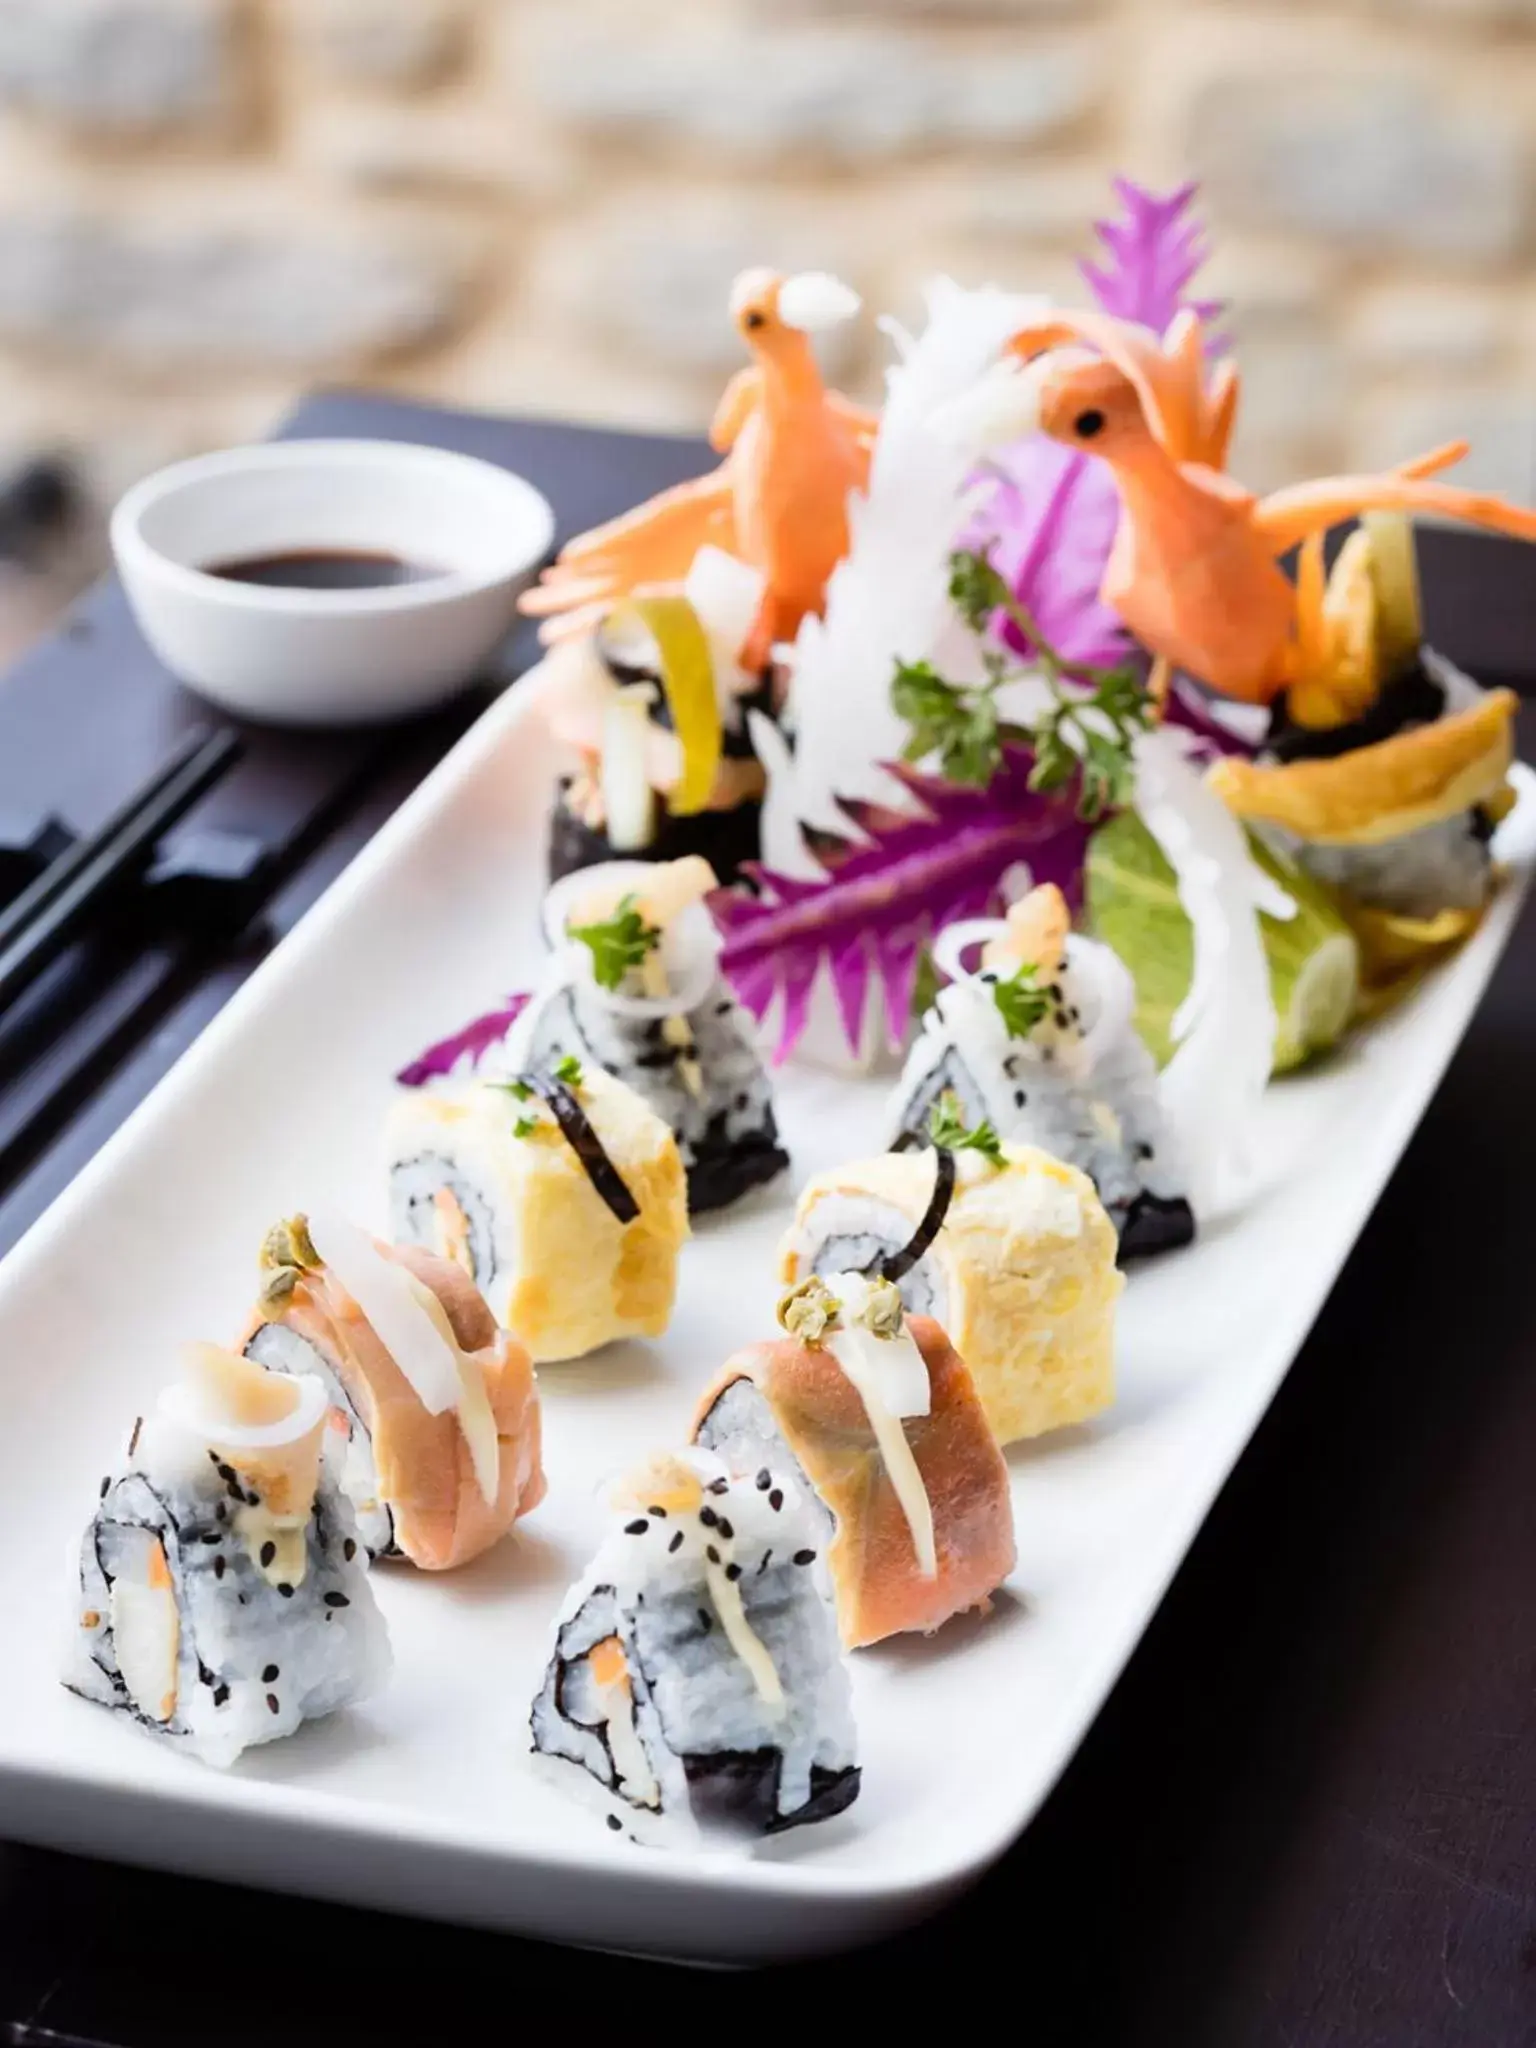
(608, 1665)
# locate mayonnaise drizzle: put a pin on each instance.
(886, 1372)
(743, 1638)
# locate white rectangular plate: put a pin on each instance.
(424, 1801)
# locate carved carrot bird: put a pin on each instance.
(1194, 571)
(793, 452)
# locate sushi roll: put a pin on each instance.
(561, 1194)
(1010, 1251)
(875, 1416)
(222, 1595)
(1385, 770)
(434, 1417)
(696, 1678)
(654, 706)
(634, 988)
(1395, 810)
(1038, 1043)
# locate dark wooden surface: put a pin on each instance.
(1307, 1816)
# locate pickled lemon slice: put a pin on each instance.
(687, 673)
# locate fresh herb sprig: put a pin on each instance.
(947, 1128)
(1021, 1001)
(1088, 730)
(567, 1069)
(618, 944)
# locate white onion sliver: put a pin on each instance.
(179, 1405)
(382, 1290)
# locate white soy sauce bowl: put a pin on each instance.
(290, 655)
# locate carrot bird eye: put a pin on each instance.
(1088, 423)
(755, 319)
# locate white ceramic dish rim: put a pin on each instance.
(275, 1810)
(531, 521)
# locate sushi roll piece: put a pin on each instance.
(876, 1417)
(634, 987)
(222, 1595)
(696, 1679)
(560, 1193)
(434, 1416)
(1039, 1044)
(1006, 1248)
(1385, 770)
(653, 705)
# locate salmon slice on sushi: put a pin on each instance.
(434, 1416)
(560, 1192)
(1038, 1041)
(1007, 1249)
(221, 1593)
(874, 1415)
(696, 1682)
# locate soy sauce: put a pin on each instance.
(323, 569)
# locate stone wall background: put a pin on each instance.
(206, 205)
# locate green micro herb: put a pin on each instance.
(568, 1070)
(947, 1128)
(1021, 1001)
(1088, 730)
(618, 944)
(525, 1127)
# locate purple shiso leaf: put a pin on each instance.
(884, 900)
(1154, 249)
(471, 1043)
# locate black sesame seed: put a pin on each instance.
(719, 1486)
(286, 1590)
(677, 1542)
(706, 1619)
(227, 1474)
(213, 1535)
(743, 1102)
(775, 1500)
(636, 1528)
(106, 1488)
(221, 1511)
(1062, 1020)
(724, 1009)
(220, 1695)
(349, 1550)
(271, 1675)
(726, 1530)
(805, 1557)
(733, 1572)
(204, 1675)
(988, 977)
(235, 1491)
(1053, 990)
(213, 1457)
(659, 1513)
(272, 1706)
(711, 1553)
(268, 1555)
(764, 1565)
(1143, 1151)
(764, 1479)
(219, 1566)
(615, 1823)
(708, 1516)
(337, 1600)
(1019, 1098)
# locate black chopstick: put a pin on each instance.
(43, 919)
